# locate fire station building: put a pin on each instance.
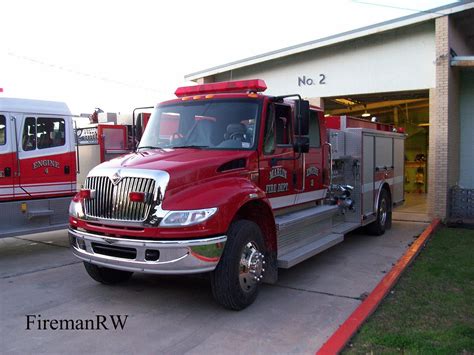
(416, 72)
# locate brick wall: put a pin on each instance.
(444, 124)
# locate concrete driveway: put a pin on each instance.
(175, 315)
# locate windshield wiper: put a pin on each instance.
(190, 146)
(149, 147)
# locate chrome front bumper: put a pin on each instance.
(151, 256)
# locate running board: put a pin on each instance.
(305, 250)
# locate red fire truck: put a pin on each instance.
(229, 181)
(39, 160)
(37, 165)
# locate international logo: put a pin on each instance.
(278, 172)
(116, 178)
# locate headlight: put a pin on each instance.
(187, 218)
(75, 208)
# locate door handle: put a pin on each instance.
(66, 169)
(7, 172)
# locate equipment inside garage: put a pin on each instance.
(407, 109)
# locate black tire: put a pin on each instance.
(105, 275)
(384, 215)
(229, 276)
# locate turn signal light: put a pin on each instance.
(136, 196)
(254, 85)
(85, 194)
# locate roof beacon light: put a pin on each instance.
(254, 85)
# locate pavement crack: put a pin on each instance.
(318, 292)
(38, 270)
(41, 242)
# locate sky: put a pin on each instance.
(118, 55)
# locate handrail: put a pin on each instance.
(330, 163)
(76, 141)
(13, 118)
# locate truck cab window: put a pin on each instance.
(314, 133)
(29, 134)
(269, 138)
(278, 127)
(283, 124)
(3, 130)
(43, 133)
(50, 132)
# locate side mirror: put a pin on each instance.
(301, 145)
(302, 118)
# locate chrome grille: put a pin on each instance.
(112, 201)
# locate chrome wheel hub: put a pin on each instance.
(251, 267)
(383, 212)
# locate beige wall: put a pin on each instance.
(397, 60)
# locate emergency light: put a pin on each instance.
(254, 85)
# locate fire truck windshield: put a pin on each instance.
(210, 124)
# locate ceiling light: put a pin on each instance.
(366, 114)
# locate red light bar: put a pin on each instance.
(136, 196)
(255, 85)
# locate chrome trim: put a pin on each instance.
(175, 256)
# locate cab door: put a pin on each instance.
(277, 164)
(310, 165)
(7, 158)
(47, 156)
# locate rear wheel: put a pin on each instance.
(384, 215)
(235, 280)
(105, 275)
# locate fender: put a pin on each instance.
(384, 184)
(228, 194)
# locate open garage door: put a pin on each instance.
(407, 109)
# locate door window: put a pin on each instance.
(3, 130)
(50, 132)
(43, 133)
(314, 132)
(278, 129)
(29, 134)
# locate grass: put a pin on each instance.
(431, 309)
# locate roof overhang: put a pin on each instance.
(338, 38)
(459, 61)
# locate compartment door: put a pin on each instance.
(112, 141)
(368, 168)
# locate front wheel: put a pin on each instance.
(105, 275)
(235, 280)
(384, 215)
